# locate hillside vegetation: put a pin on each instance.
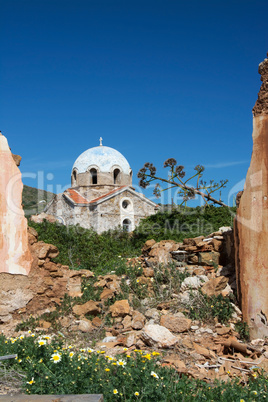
(82, 248)
(35, 200)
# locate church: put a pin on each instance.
(101, 195)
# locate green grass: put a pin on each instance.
(52, 367)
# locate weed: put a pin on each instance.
(243, 329)
(204, 308)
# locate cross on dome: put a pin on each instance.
(100, 141)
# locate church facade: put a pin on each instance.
(101, 195)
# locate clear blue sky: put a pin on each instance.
(156, 79)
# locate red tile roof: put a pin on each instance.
(105, 195)
(76, 197)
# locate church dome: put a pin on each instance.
(104, 158)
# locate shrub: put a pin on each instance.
(82, 248)
(180, 223)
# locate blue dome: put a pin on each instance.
(102, 157)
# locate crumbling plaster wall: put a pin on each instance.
(251, 223)
(15, 256)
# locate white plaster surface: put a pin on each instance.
(102, 157)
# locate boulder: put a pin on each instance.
(147, 246)
(86, 273)
(160, 256)
(209, 258)
(90, 307)
(120, 308)
(193, 282)
(107, 294)
(85, 326)
(131, 339)
(158, 336)
(97, 322)
(160, 252)
(176, 323)
(127, 322)
(217, 244)
(189, 242)
(223, 330)
(138, 320)
(153, 314)
(32, 235)
(148, 272)
(44, 250)
(214, 286)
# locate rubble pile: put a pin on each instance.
(43, 288)
(200, 349)
(208, 259)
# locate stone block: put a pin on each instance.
(209, 258)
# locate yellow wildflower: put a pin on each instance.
(147, 356)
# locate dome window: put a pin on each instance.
(74, 178)
(116, 176)
(94, 176)
(127, 225)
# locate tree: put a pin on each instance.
(147, 174)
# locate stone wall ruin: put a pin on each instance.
(251, 223)
(15, 256)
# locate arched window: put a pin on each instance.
(127, 225)
(94, 177)
(74, 178)
(125, 204)
(116, 176)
